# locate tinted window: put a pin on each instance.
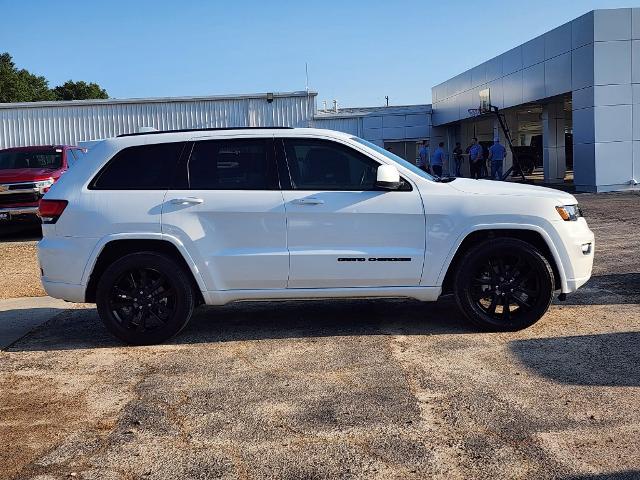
(322, 165)
(392, 156)
(144, 167)
(25, 159)
(232, 165)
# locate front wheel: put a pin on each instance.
(144, 298)
(504, 284)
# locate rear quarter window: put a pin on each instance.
(142, 167)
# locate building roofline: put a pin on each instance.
(352, 112)
(590, 12)
(119, 101)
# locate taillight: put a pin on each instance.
(50, 210)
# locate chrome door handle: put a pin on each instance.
(308, 201)
(186, 201)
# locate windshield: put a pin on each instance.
(25, 159)
(395, 158)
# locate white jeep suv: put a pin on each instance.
(150, 225)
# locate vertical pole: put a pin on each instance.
(507, 135)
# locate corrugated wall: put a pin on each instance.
(72, 122)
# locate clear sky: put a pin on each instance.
(357, 51)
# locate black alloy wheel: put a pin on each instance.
(504, 284)
(142, 299)
(145, 298)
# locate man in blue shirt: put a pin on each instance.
(423, 159)
(497, 154)
(476, 158)
(437, 160)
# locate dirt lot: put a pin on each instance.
(349, 389)
(18, 263)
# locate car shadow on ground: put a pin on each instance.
(621, 288)
(607, 359)
(20, 232)
(82, 328)
(626, 475)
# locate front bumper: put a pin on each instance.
(14, 213)
(577, 263)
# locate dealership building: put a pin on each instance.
(578, 86)
(573, 92)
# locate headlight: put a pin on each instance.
(569, 213)
(44, 185)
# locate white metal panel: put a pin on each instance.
(512, 60)
(533, 83)
(613, 123)
(494, 68)
(45, 123)
(635, 61)
(582, 30)
(557, 75)
(582, 67)
(612, 63)
(612, 95)
(512, 89)
(533, 52)
(557, 41)
(635, 26)
(352, 125)
(372, 122)
(390, 121)
(612, 24)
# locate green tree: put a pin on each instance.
(71, 90)
(21, 85)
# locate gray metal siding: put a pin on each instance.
(351, 125)
(73, 122)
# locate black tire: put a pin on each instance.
(157, 314)
(503, 271)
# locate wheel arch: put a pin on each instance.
(115, 248)
(530, 234)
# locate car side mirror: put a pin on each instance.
(388, 177)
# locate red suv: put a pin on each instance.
(26, 173)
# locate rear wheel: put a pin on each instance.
(504, 284)
(144, 298)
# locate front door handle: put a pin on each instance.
(308, 201)
(186, 201)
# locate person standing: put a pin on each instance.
(497, 154)
(476, 159)
(423, 156)
(437, 160)
(457, 157)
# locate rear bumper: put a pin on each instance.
(66, 291)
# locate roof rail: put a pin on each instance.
(201, 130)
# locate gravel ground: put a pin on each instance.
(20, 271)
(342, 389)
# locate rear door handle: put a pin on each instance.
(307, 201)
(186, 201)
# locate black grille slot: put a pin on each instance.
(11, 198)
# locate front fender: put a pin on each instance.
(554, 244)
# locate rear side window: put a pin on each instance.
(232, 165)
(143, 167)
(322, 165)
